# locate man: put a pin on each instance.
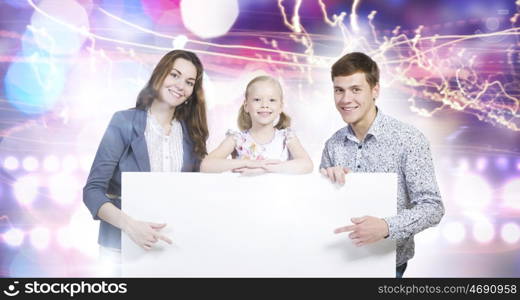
(375, 142)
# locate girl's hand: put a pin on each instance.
(257, 167)
(273, 166)
(252, 164)
(249, 171)
(271, 162)
(145, 234)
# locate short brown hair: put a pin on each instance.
(356, 62)
(244, 119)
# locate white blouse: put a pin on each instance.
(165, 151)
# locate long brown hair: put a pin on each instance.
(193, 110)
(244, 119)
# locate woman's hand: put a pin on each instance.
(145, 234)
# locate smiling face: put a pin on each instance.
(178, 85)
(263, 102)
(355, 99)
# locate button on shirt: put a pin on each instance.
(165, 151)
(393, 147)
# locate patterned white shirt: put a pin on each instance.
(393, 147)
(165, 151)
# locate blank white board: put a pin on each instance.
(226, 225)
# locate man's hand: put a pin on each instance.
(335, 174)
(365, 230)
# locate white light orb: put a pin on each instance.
(483, 231)
(51, 163)
(26, 189)
(30, 164)
(510, 233)
(511, 194)
(64, 188)
(14, 237)
(179, 42)
(454, 232)
(70, 163)
(11, 163)
(40, 238)
(472, 192)
(209, 19)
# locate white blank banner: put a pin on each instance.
(225, 225)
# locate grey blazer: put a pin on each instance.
(123, 149)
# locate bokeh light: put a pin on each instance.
(86, 162)
(26, 189)
(511, 193)
(454, 232)
(510, 233)
(482, 163)
(34, 87)
(14, 237)
(163, 12)
(64, 188)
(429, 236)
(463, 165)
(11, 163)
(64, 237)
(180, 42)
(483, 231)
(70, 163)
(209, 19)
(55, 38)
(40, 238)
(472, 192)
(85, 232)
(51, 163)
(502, 163)
(30, 164)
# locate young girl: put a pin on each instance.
(261, 146)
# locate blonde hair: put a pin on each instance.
(244, 119)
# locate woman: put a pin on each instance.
(165, 132)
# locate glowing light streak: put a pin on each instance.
(423, 53)
(140, 45)
(353, 16)
(337, 19)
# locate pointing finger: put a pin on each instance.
(166, 239)
(345, 229)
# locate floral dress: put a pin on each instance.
(247, 148)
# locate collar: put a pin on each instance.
(375, 130)
(139, 121)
